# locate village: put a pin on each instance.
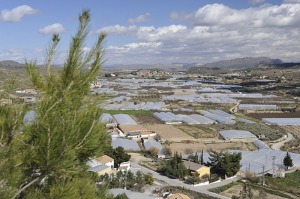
(151, 121)
(154, 119)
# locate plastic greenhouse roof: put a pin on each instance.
(218, 118)
(106, 118)
(124, 119)
(29, 116)
(257, 107)
(128, 145)
(282, 121)
(255, 160)
(260, 144)
(236, 134)
(149, 144)
(222, 113)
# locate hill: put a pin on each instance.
(245, 62)
(280, 66)
(10, 64)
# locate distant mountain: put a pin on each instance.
(279, 66)
(240, 63)
(172, 66)
(10, 64)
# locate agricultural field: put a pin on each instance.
(276, 188)
(234, 189)
(169, 132)
(186, 147)
(198, 131)
(294, 145)
(146, 119)
(274, 115)
(289, 184)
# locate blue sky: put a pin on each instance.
(152, 32)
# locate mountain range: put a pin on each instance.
(239, 63)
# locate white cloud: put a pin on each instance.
(257, 1)
(86, 49)
(53, 28)
(268, 15)
(218, 32)
(118, 29)
(181, 16)
(16, 14)
(12, 54)
(139, 19)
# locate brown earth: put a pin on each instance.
(274, 115)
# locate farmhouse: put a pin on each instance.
(136, 131)
(201, 170)
(106, 160)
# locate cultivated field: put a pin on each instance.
(274, 115)
(198, 131)
(169, 132)
(295, 130)
(147, 119)
(294, 145)
(235, 190)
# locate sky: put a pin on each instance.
(156, 31)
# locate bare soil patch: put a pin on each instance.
(168, 132)
(198, 131)
(147, 119)
(274, 115)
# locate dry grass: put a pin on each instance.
(198, 131)
(235, 190)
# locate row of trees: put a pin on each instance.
(48, 158)
(174, 167)
(127, 180)
(224, 164)
(118, 154)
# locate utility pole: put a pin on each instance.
(273, 166)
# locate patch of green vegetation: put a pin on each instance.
(253, 186)
(223, 188)
(129, 112)
(198, 131)
(238, 115)
(270, 191)
(192, 194)
(288, 184)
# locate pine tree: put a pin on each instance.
(47, 160)
(288, 161)
(201, 158)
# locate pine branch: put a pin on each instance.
(24, 188)
(86, 135)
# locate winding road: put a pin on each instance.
(278, 145)
(175, 182)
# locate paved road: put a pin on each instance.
(277, 145)
(176, 182)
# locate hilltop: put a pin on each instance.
(11, 64)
